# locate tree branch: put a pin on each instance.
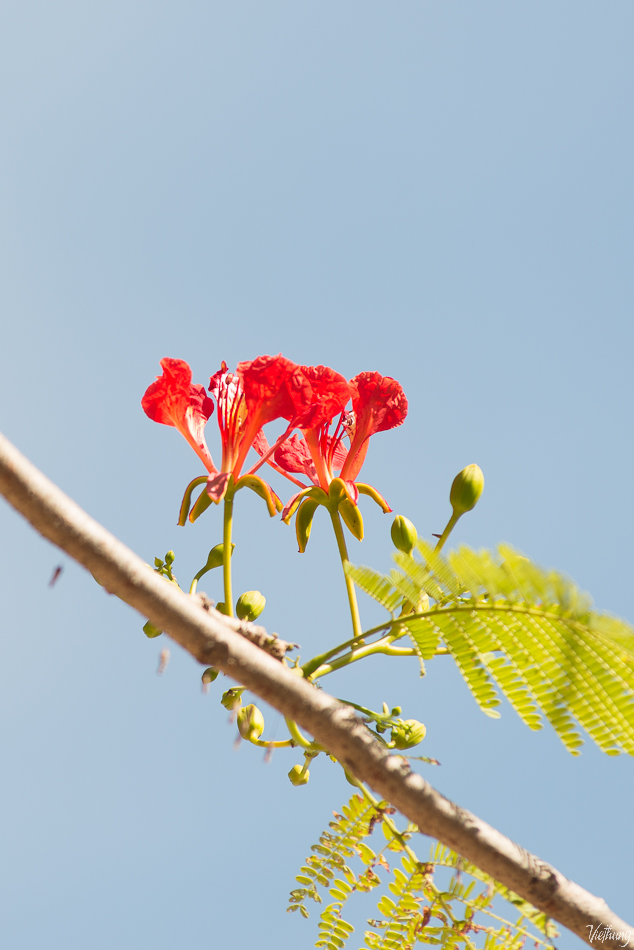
(214, 642)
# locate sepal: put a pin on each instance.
(304, 522)
(340, 488)
(295, 501)
(202, 503)
(352, 518)
(186, 503)
(375, 496)
(261, 488)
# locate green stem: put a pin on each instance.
(383, 646)
(309, 668)
(226, 548)
(280, 744)
(343, 554)
(451, 524)
(300, 739)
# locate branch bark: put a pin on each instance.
(214, 642)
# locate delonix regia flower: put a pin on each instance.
(262, 390)
(173, 400)
(378, 403)
(312, 399)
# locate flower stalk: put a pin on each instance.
(227, 548)
(350, 588)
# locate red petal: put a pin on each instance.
(274, 387)
(173, 400)
(217, 486)
(293, 456)
(339, 456)
(379, 402)
(330, 394)
(260, 444)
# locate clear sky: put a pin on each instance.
(438, 191)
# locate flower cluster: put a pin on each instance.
(329, 424)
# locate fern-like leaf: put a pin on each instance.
(510, 624)
(376, 585)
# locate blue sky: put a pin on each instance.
(438, 191)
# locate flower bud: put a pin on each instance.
(297, 776)
(232, 699)
(404, 534)
(466, 489)
(169, 558)
(250, 722)
(209, 675)
(408, 733)
(151, 631)
(250, 605)
(221, 607)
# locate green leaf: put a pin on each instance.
(376, 585)
(528, 633)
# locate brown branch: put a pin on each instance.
(212, 640)
(269, 642)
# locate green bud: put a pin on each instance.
(396, 711)
(214, 558)
(158, 564)
(297, 776)
(250, 605)
(404, 534)
(209, 675)
(232, 699)
(150, 631)
(221, 607)
(169, 558)
(466, 489)
(408, 733)
(250, 722)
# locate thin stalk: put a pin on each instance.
(227, 549)
(381, 646)
(343, 554)
(309, 667)
(279, 744)
(451, 524)
(300, 739)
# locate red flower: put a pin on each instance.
(173, 400)
(378, 403)
(274, 388)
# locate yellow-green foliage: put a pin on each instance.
(425, 904)
(509, 623)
